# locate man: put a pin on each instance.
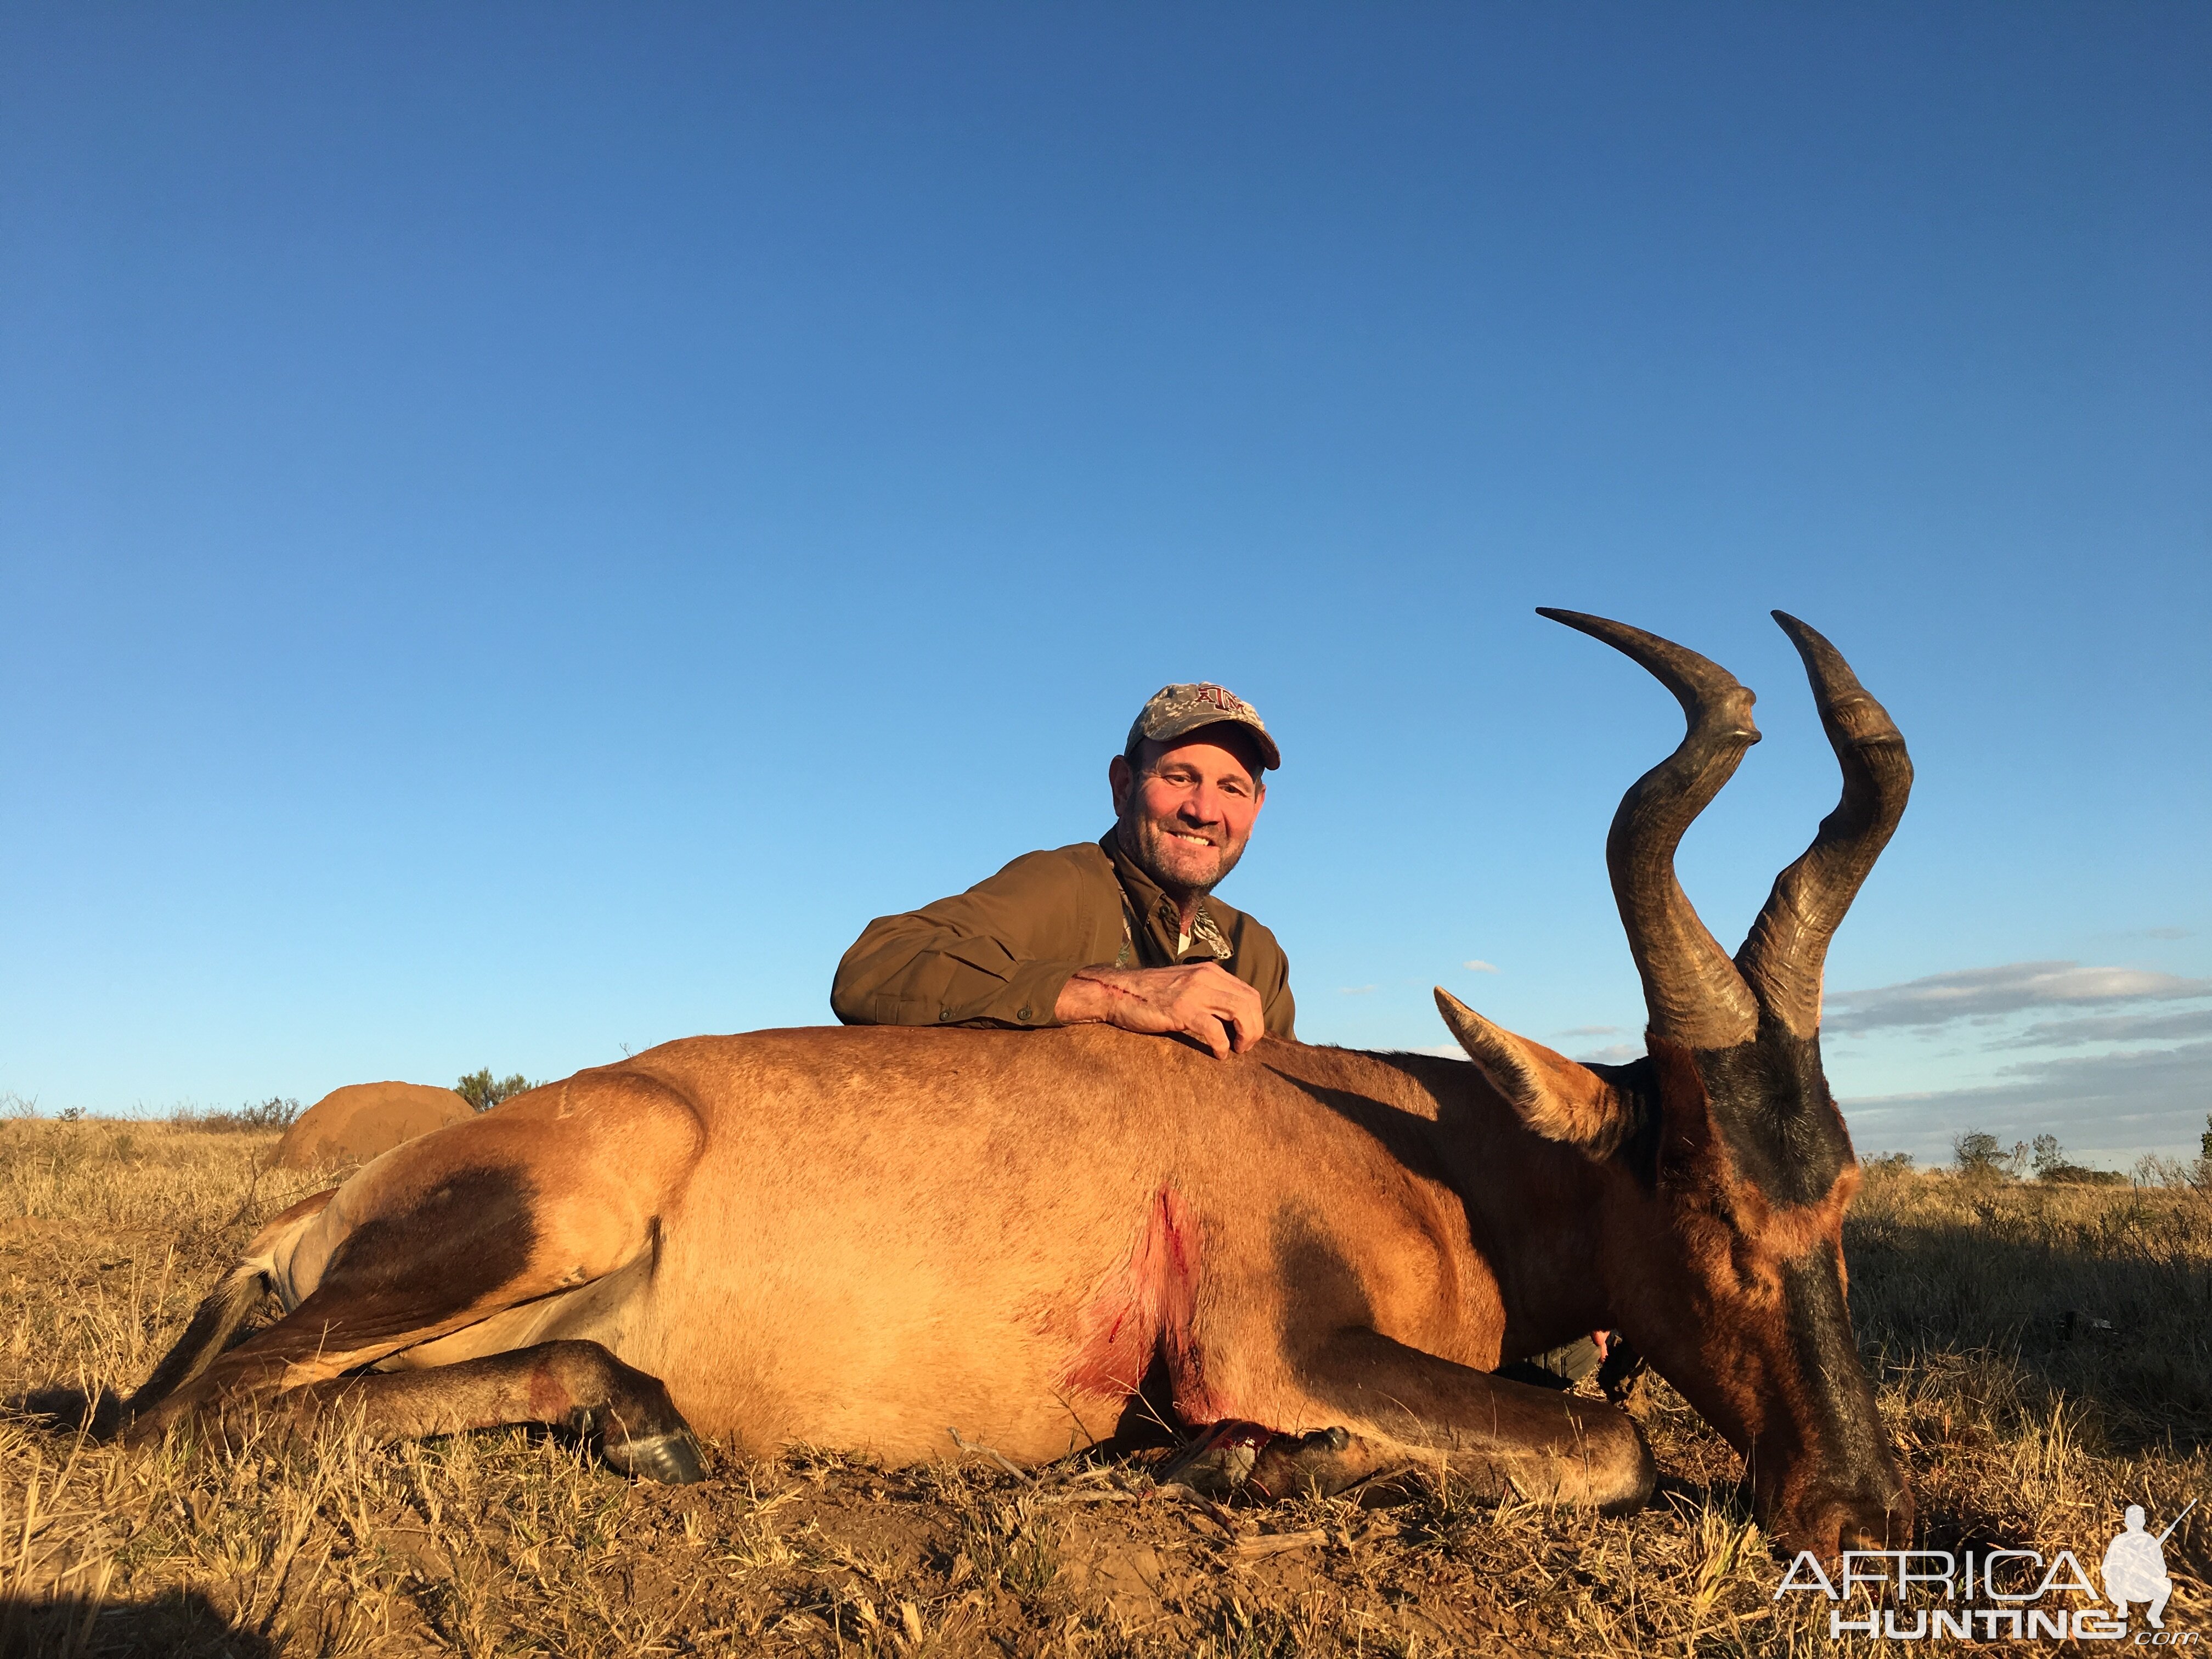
(1122, 931)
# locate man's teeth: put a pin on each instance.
(1196, 840)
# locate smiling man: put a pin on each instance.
(1122, 931)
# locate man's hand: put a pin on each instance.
(1201, 1000)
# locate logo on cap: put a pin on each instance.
(1174, 710)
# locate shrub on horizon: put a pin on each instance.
(275, 1115)
(484, 1091)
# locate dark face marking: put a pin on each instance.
(1852, 1484)
(1819, 1327)
(1771, 1103)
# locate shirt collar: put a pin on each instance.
(1157, 915)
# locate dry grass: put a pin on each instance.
(2019, 1426)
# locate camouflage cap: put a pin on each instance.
(1175, 710)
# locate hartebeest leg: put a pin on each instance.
(578, 1386)
(1503, 1437)
(440, 1235)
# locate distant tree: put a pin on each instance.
(2204, 1146)
(1979, 1156)
(484, 1091)
(2047, 1156)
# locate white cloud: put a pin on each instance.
(1482, 967)
(2112, 1028)
(2120, 1103)
(1591, 1031)
(1442, 1051)
(1983, 992)
(1617, 1054)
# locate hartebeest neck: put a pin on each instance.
(1533, 1209)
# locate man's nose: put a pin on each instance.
(1202, 805)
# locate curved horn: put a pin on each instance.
(1691, 990)
(1781, 955)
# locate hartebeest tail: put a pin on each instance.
(214, 1323)
(225, 1308)
(914, 1240)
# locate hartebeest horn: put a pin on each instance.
(1783, 955)
(1691, 988)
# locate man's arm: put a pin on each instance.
(999, 953)
(1201, 1000)
(1017, 950)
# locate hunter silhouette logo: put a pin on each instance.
(1987, 1595)
(2135, 1567)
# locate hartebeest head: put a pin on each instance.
(1728, 1164)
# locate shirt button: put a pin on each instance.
(1025, 1014)
(943, 1014)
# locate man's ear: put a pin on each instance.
(1119, 776)
(1557, 1098)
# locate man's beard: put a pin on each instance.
(1168, 861)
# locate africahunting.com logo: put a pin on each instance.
(2001, 1595)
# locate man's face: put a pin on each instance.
(1187, 812)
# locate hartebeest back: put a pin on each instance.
(903, 1240)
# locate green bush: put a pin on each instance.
(484, 1091)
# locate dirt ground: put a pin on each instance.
(2041, 1356)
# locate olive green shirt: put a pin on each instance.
(999, 953)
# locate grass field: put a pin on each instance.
(2044, 1356)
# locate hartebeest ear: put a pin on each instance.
(1557, 1098)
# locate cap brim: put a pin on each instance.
(1270, 758)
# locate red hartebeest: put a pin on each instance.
(898, 1239)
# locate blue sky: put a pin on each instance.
(522, 528)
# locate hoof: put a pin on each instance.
(1218, 1463)
(1317, 1465)
(673, 1459)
